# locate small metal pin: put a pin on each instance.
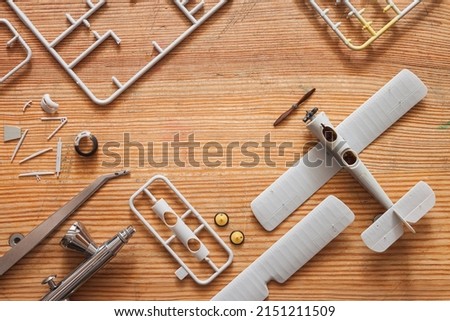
(294, 107)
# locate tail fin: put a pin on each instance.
(409, 209)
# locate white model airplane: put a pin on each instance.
(339, 148)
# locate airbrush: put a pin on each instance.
(78, 239)
(21, 245)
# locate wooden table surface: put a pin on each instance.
(225, 84)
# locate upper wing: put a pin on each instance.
(382, 110)
(359, 129)
(290, 252)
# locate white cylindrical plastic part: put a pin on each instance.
(183, 233)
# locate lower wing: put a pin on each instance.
(290, 252)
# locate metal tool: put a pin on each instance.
(294, 107)
(41, 231)
(78, 239)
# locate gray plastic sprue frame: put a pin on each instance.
(16, 38)
(83, 20)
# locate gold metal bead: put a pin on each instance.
(221, 219)
(237, 237)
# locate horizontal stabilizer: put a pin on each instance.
(290, 252)
(409, 209)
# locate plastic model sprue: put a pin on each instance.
(374, 34)
(15, 38)
(191, 15)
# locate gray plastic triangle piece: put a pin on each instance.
(11, 133)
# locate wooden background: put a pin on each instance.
(227, 83)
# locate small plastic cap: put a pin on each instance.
(221, 219)
(237, 237)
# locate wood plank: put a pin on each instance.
(227, 83)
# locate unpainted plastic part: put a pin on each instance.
(388, 228)
(37, 174)
(182, 232)
(27, 105)
(58, 157)
(83, 20)
(16, 38)
(19, 144)
(11, 133)
(322, 128)
(62, 122)
(290, 252)
(48, 105)
(38, 153)
(366, 25)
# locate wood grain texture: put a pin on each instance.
(227, 83)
